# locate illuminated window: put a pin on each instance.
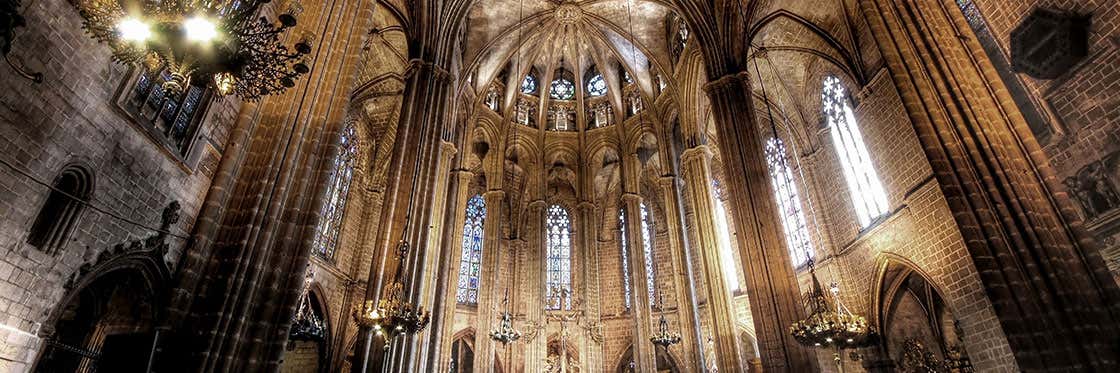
(867, 194)
(563, 88)
(330, 218)
(789, 205)
(727, 256)
(471, 258)
(647, 251)
(597, 86)
(529, 85)
(559, 271)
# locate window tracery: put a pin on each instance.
(330, 217)
(176, 119)
(625, 251)
(559, 258)
(470, 261)
(789, 203)
(868, 198)
(562, 88)
(529, 84)
(597, 86)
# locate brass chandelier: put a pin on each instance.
(394, 315)
(228, 44)
(829, 323)
(505, 333)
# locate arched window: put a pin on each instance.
(647, 255)
(562, 87)
(596, 85)
(647, 252)
(330, 218)
(60, 212)
(471, 258)
(625, 258)
(867, 193)
(727, 256)
(174, 119)
(789, 204)
(529, 85)
(559, 271)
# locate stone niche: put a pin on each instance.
(1048, 43)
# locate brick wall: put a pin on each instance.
(71, 117)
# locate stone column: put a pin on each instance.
(411, 180)
(762, 250)
(645, 357)
(1055, 300)
(697, 171)
(692, 336)
(590, 351)
(450, 288)
(535, 337)
(489, 293)
(431, 281)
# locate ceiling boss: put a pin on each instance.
(231, 45)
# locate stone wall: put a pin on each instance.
(71, 117)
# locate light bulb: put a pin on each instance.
(133, 29)
(200, 29)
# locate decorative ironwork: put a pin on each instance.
(394, 315)
(225, 43)
(307, 325)
(831, 327)
(505, 333)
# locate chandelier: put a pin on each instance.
(664, 337)
(226, 44)
(505, 333)
(829, 326)
(394, 315)
(307, 325)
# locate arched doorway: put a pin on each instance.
(107, 326)
(919, 329)
(665, 362)
(307, 348)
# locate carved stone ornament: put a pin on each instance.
(1048, 43)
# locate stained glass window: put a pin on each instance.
(563, 88)
(625, 258)
(529, 85)
(559, 271)
(470, 261)
(868, 198)
(789, 204)
(330, 218)
(727, 256)
(596, 86)
(176, 118)
(647, 252)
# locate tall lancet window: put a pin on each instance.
(330, 218)
(647, 253)
(726, 255)
(625, 258)
(868, 198)
(470, 261)
(789, 204)
(559, 269)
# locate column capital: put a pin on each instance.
(627, 197)
(696, 151)
(495, 194)
(667, 180)
(586, 206)
(538, 203)
(448, 148)
(728, 81)
(417, 66)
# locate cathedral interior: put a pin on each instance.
(560, 186)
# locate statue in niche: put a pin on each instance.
(1093, 190)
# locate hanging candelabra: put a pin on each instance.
(307, 325)
(227, 44)
(664, 337)
(393, 315)
(505, 333)
(830, 323)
